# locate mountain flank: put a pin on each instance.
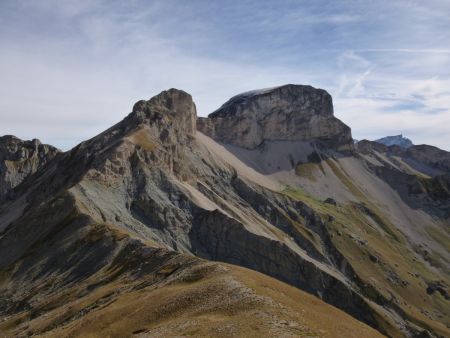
(19, 159)
(150, 228)
(290, 112)
(398, 140)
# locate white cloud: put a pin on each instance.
(395, 91)
(406, 50)
(69, 69)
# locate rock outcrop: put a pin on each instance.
(398, 140)
(19, 159)
(171, 108)
(165, 124)
(432, 156)
(290, 112)
(162, 126)
(108, 211)
(428, 159)
(420, 173)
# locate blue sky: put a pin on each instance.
(71, 68)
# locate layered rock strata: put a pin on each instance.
(290, 112)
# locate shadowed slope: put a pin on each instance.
(83, 278)
(152, 182)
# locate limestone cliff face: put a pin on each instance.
(173, 108)
(290, 112)
(162, 126)
(19, 159)
(167, 124)
(148, 186)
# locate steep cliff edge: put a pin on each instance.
(153, 185)
(97, 228)
(19, 159)
(290, 112)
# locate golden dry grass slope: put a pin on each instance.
(101, 240)
(208, 300)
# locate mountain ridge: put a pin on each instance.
(290, 112)
(398, 140)
(154, 179)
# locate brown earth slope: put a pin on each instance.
(116, 221)
(103, 283)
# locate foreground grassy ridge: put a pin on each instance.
(379, 254)
(175, 295)
(244, 303)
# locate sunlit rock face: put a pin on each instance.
(290, 112)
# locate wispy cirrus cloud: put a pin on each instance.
(69, 69)
(405, 50)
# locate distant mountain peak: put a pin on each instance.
(398, 140)
(272, 181)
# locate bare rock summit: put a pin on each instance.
(398, 140)
(19, 159)
(290, 112)
(174, 107)
(141, 215)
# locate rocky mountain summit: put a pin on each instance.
(19, 159)
(290, 112)
(398, 140)
(146, 214)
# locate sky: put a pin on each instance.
(71, 68)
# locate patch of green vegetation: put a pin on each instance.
(348, 215)
(377, 217)
(341, 214)
(345, 179)
(301, 195)
(404, 166)
(374, 212)
(396, 272)
(439, 236)
(307, 170)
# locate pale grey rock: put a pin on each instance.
(19, 159)
(399, 167)
(424, 158)
(290, 112)
(366, 147)
(431, 156)
(174, 105)
(398, 140)
(148, 178)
